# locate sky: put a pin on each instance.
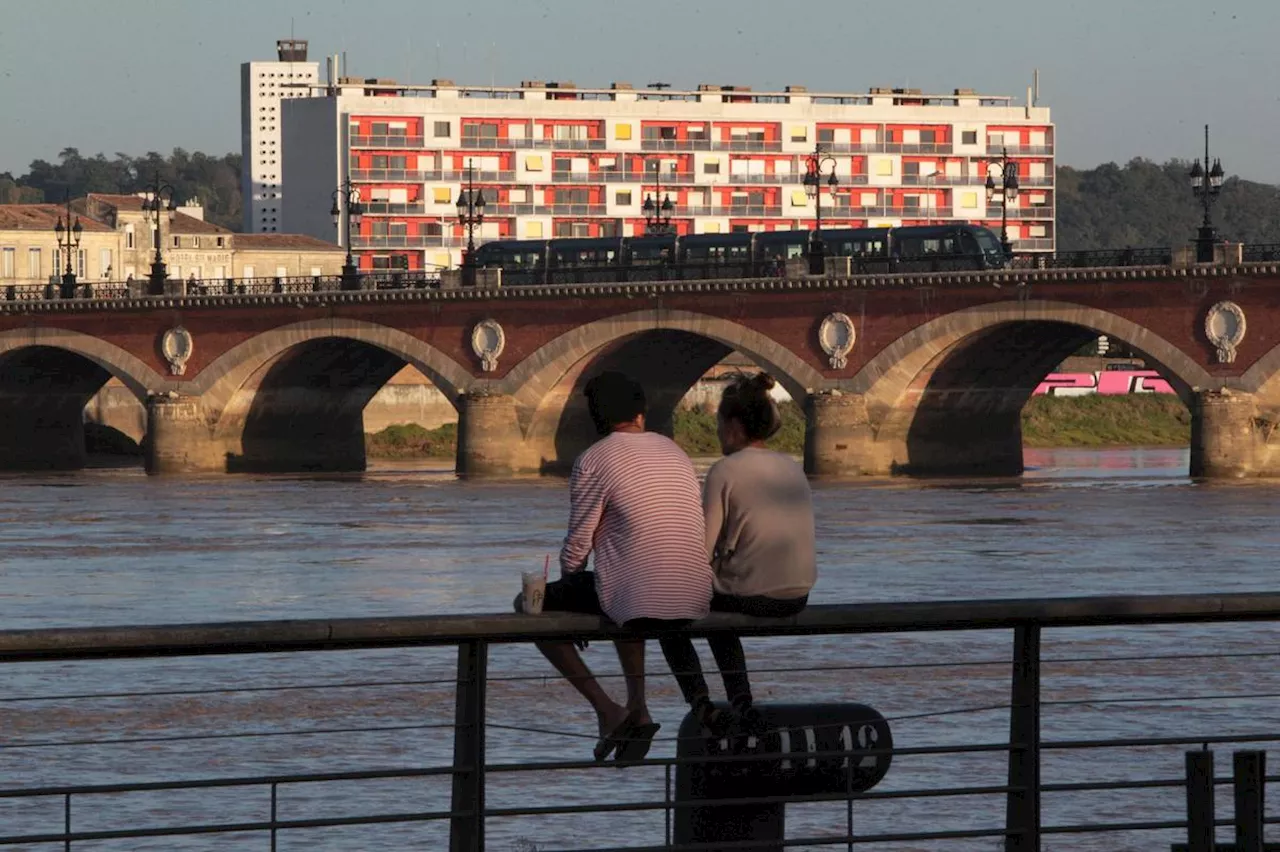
(1123, 78)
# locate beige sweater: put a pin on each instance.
(759, 514)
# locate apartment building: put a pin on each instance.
(263, 86)
(555, 160)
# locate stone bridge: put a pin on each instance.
(922, 374)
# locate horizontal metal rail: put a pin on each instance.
(249, 637)
(1023, 750)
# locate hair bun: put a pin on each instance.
(764, 381)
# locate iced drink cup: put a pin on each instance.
(535, 591)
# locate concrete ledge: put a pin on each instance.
(329, 634)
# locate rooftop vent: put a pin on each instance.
(966, 91)
(532, 84)
(797, 89)
(621, 87)
(442, 82)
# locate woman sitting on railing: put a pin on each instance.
(760, 540)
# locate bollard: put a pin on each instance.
(795, 759)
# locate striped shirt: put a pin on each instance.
(634, 499)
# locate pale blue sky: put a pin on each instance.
(1122, 77)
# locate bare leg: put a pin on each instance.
(569, 663)
(631, 656)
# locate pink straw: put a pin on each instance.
(546, 566)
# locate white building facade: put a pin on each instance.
(263, 86)
(554, 160)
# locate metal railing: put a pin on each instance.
(1092, 259)
(972, 765)
(1260, 253)
(388, 141)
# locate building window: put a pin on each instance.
(381, 128)
(34, 267)
(884, 168)
(711, 228)
(177, 241)
(623, 198)
(441, 195)
(533, 163)
(104, 263)
(799, 134)
(928, 137)
(8, 258)
(221, 242)
(968, 137)
(622, 131)
(696, 133)
(711, 167)
(995, 140)
(799, 198)
(826, 135)
(739, 229)
(195, 241)
(128, 236)
(82, 262)
(443, 130)
(247, 271)
(911, 169)
(969, 200)
(533, 229)
(572, 196)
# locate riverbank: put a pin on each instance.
(1132, 420)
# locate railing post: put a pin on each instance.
(1022, 809)
(1200, 804)
(466, 829)
(1249, 773)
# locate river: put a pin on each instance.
(106, 547)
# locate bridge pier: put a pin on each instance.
(1229, 438)
(489, 437)
(179, 439)
(838, 439)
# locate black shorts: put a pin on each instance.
(758, 606)
(573, 593)
(577, 593)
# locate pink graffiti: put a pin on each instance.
(1110, 382)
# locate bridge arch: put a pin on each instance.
(293, 398)
(948, 395)
(667, 350)
(47, 376)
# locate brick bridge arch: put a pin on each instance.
(667, 350)
(47, 376)
(293, 398)
(947, 396)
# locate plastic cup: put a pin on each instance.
(535, 591)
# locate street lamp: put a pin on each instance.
(1206, 183)
(471, 216)
(1008, 190)
(159, 201)
(68, 236)
(812, 180)
(347, 206)
(657, 216)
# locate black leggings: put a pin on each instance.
(725, 647)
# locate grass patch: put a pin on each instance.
(411, 441)
(1131, 420)
(695, 431)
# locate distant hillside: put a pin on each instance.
(1145, 204)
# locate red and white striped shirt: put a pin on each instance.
(634, 499)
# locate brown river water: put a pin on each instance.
(114, 547)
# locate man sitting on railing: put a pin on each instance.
(634, 500)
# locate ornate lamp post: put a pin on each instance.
(1008, 191)
(347, 212)
(68, 236)
(1206, 183)
(159, 201)
(812, 180)
(657, 216)
(470, 216)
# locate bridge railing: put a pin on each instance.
(277, 732)
(1095, 259)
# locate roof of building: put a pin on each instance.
(120, 202)
(42, 217)
(181, 223)
(284, 242)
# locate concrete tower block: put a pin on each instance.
(1228, 438)
(179, 439)
(838, 440)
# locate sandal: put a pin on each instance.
(606, 745)
(635, 742)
